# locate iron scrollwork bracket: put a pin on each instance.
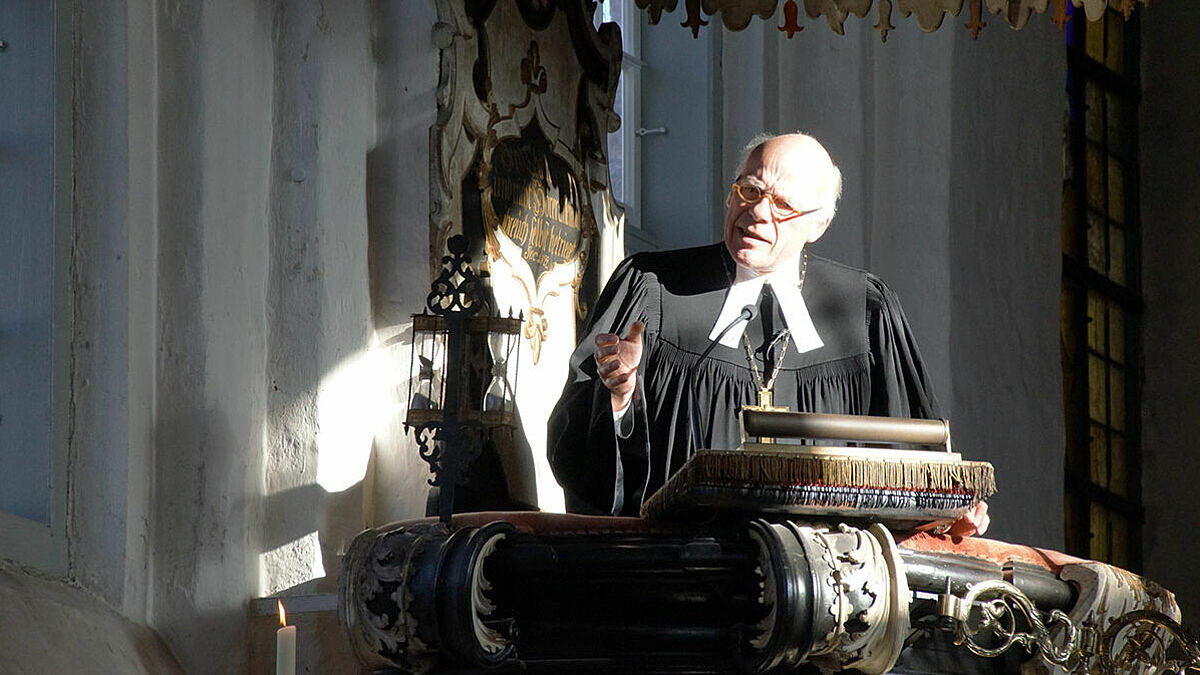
(434, 437)
(458, 290)
(993, 616)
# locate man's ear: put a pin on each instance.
(819, 230)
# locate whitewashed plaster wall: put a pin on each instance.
(953, 199)
(213, 268)
(1170, 145)
(112, 389)
(398, 198)
(228, 377)
(1006, 172)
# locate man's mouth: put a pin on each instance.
(748, 234)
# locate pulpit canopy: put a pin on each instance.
(929, 14)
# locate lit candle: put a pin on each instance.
(285, 645)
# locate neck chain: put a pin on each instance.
(766, 388)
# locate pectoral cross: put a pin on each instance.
(766, 399)
(766, 388)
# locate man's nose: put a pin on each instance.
(762, 209)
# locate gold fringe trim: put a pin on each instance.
(974, 478)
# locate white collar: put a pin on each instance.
(785, 285)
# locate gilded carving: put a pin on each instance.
(736, 14)
(1017, 12)
(836, 11)
(525, 104)
(1094, 9)
(693, 20)
(884, 25)
(1121, 624)
(930, 13)
(1060, 14)
(976, 23)
(655, 8)
(790, 25)
(536, 216)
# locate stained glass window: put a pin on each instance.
(1101, 302)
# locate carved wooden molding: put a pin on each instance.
(736, 14)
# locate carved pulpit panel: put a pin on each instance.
(520, 165)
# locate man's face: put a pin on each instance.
(757, 237)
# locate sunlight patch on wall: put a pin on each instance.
(290, 565)
(354, 401)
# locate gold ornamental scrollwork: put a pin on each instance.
(536, 209)
(994, 616)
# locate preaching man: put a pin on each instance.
(823, 337)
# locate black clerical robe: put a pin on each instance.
(869, 365)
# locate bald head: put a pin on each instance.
(807, 160)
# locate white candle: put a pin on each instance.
(285, 646)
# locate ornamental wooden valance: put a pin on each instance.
(736, 14)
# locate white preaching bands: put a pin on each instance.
(747, 285)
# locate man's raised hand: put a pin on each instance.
(617, 362)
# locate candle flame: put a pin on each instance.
(282, 614)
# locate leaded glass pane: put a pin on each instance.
(1098, 464)
(1096, 184)
(1116, 332)
(1116, 254)
(1116, 398)
(1117, 480)
(1095, 40)
(1096, 321)
(1114, 53)
(1117, 132)
(1116, 190)
(1094, 112)
(1097, 388)
(1097, 249)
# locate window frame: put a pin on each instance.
(28, 542)
(633, 70)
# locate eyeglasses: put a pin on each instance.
(752, 194)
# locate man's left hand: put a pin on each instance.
(974, 521)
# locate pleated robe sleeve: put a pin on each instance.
(900, 385)
(595, 469)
